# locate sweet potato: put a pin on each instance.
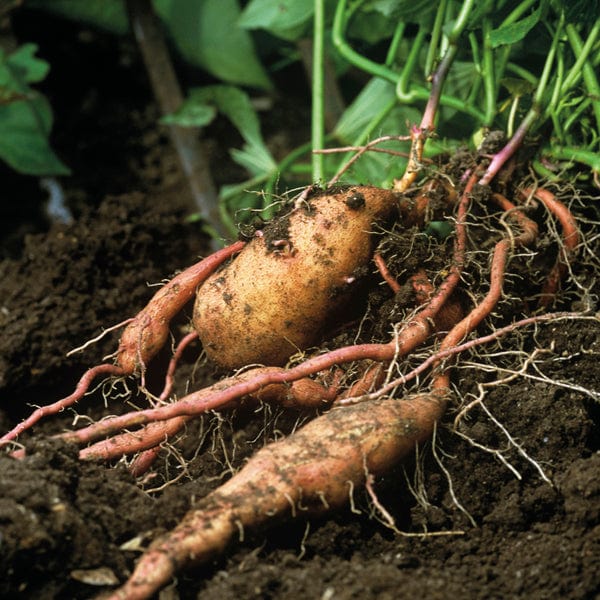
(148, 332)
(310, 472)
(281, 290)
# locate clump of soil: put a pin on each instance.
(69, 528)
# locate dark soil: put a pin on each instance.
(67, 527)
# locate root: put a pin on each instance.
(99, 337)
(170, 376)
(319, 466)
(446, 473)
(148, 332)
(143, 337)
(261, 384)
(58, 406)
(571, 240)
(385, 273)
(311, 468)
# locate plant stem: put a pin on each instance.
(194, 164)
(436, 35)
(504, 51)
(461, 21)
(317, 117)
(522, 73)
(403, 88)
(576, 115)
(547, 72)
(557, 94)
(396, 39)
(353, 57)
(586, 157)
(581, 51)
(488, 74)
(515, 141)
(437, 82)
(285, 165)
(439, 76)
(589, 73)
(416, 92)
(531, 117)
(419, 134)
(477, 81)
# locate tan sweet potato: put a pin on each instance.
(310, 472)
(281, 290)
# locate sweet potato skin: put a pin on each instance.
(277, 295)
(308, 473)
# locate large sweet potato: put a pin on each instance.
(282, 289)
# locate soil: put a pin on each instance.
(69, 528)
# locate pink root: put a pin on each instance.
(59, 405)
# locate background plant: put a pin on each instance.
(528, 67)
(25, 114)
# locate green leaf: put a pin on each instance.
(235, 104)
(194, 112)
(378, 97)
(256, 158)
(24, 128)
(478, 11)
(18, 69)
(25, 115)
(275, 15)
(205, 32)
(515, 32)
(25, 66)
(373, 98)
(517, 87)
(388, 8)
(109, 15)
(580, 11)
(409, 11)
(371, 27)
(208, 35)
(200, 108)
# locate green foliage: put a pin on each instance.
(109, 15)
(408, 11)
(531, 59)
(511, 33)
(511, 58)
(25, 115)
(287, 19)
(206, 32)
(208, 35)
(580, 11)
(203, 104)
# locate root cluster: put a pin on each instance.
(456, 258)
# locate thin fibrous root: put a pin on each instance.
(410, 336)
(256, 382)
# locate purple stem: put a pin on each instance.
(437, 82)
(500, 158)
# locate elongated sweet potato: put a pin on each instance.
(308, 473)
(281, 290)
